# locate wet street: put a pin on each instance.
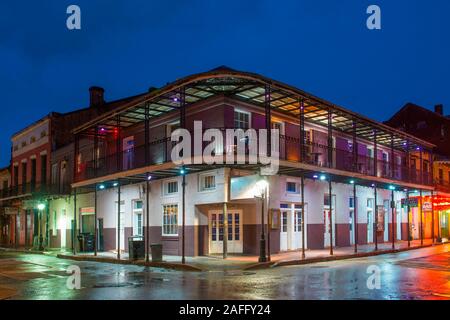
(416, 274)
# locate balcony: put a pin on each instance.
(442, 186)
(33, 189)
(313, 154)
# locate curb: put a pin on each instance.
(265, 265)
(166, 265)
(23, 251)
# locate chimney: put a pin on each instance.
(96, 96)
(439, 109)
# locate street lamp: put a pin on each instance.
(260, 192)
(392, 188)
(40, 207)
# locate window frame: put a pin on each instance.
(202, 185)
(247, 113)
(166, 188)
(163, 224)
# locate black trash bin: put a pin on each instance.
(86, 241)
(136, 248)
(156, 252)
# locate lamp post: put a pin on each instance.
(261, 188)
(41, 208)
(392, 188)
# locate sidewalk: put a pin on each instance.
(216, 263)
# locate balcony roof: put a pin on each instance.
(250, 87)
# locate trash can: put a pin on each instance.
(136, 248)
(156, 252)
(86, 241)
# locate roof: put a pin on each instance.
(250, 87)
(412, 106)
(111, 105)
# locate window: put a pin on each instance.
(43, 134)
(284, 220)
(170, 220)
(16, 147)
(370, 203)
(137, 218)
(24, 144)
(291, 187)
(32, 139)
(207, 182)
(241, 120)
(170, 187)
(351, 202)
(297, 220)
(441, 175)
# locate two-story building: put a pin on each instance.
(434, 127)
(40, 171)
(342, 179)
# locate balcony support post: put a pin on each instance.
(392, 157)
(408, 219)
(421, 216)
(302, 130)
(95, 222)
(421, 165)
(147, 135)
(118, 146)
(118, 220)
(407, 162)
(432, 217)
(74, 225)
(393, 219)
(183, 182)
(302, 194)
(330, 138)
(375, 153)
(147, 219)
(375, 212)
(268, 118)
(330, 190)
(355, 147)
(355, 218)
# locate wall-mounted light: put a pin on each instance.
(101, 187)
(41, 206)
(115, 184)
(391, 187)
(322, 177)
(315, 176)
(149, 177)
(352, 181)
(182, 171)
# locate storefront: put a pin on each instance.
(442, 206)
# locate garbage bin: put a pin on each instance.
(86, 241)
(156, 252)
(136, 248)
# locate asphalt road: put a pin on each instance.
(417, 274)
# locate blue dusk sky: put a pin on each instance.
(320, 46)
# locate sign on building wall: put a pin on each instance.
(427, 206)
(381, 214)
(274, 218)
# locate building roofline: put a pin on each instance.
(224, 72)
